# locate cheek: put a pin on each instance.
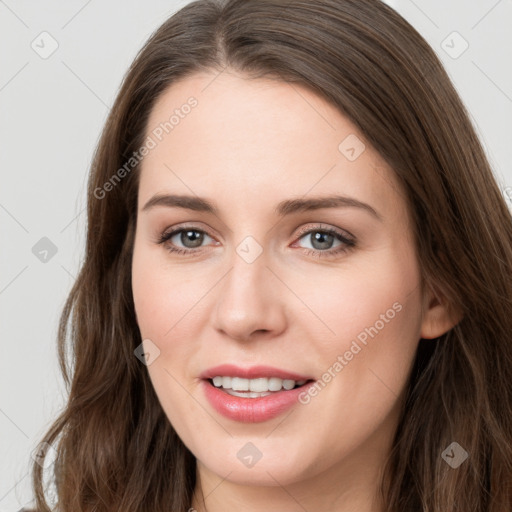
(379, 297)
(170, 308)
(163, 300)
(162, 295)
(370, 325)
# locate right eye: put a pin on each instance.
(190, 237)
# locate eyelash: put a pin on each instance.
(348, 243)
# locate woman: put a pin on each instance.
(218, 362)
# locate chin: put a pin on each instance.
(243, 463)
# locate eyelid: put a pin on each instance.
(324, 227)
(193, 226)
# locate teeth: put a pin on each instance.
(238, 384)
(217, 381)
(275, 384)
(260, 386)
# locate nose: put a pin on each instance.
(250, 301)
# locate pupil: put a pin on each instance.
(321, 239)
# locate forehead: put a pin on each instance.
(236, 137)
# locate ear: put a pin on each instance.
(438, 315)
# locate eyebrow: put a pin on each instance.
(286, 207)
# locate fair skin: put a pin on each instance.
(247, 146)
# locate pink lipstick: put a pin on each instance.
(252, 395)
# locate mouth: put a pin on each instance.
(253, 400)
(253, 394)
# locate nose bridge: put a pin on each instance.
(247, 300)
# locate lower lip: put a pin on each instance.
(252, 410)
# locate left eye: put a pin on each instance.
(323, 240)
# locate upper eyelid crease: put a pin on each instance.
(284, 208)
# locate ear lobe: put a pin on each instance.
(438, 316)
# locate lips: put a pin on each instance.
(252, 410)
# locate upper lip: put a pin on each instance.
(252, 372)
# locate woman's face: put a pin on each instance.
(276, 277)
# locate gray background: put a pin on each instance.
(51, 113)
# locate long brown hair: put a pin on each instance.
(116, 450)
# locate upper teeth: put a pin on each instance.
(259, 385)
